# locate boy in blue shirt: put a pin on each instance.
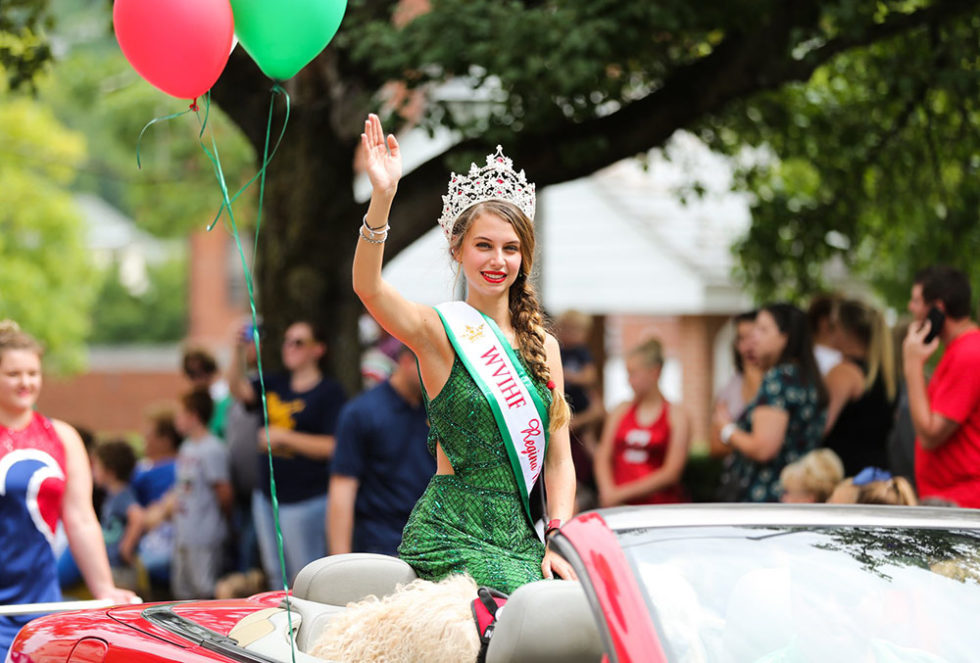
(121, 515)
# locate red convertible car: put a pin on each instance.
(730, 583)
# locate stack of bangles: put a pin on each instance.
(373, 235)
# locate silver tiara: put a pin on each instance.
(495, 181)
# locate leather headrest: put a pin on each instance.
(544, 622)
(342, 579)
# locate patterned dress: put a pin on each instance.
(746, 480)
(473, 520)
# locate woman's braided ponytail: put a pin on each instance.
(528, 323)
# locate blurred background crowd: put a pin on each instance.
(817, 408)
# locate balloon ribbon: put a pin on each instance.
(226, 205)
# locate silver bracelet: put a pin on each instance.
(372, 240)
(374, 231)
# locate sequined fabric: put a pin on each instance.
(474, 520)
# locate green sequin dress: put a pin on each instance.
(473, 520)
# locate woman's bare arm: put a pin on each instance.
(415, 325)
(559, 474)
(81, 526)
(602, 459)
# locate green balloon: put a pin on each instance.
(282, 36)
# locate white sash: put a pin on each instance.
(516, 404)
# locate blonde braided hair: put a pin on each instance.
(525, 311)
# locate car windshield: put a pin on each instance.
(774, 594)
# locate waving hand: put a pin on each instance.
(383, 157)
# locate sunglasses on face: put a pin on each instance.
(296, 342)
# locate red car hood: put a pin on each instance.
(123, 635)
(217, 616)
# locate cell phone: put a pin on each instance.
(937, 319)
(248, 331)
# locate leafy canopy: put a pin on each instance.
(878, 158)
(47, 282)
(158, 315)
(868, 109)
(91, 96)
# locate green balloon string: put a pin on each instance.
(215, 160)
(276, 89)
(149, 124)
(266, 158)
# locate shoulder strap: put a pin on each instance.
(485, 606)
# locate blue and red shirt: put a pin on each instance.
(32, 485)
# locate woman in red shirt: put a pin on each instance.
(644, 444)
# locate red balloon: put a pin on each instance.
(179, 46)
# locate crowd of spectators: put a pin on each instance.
(822, 407)
(881, 407)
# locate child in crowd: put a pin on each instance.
(896, 491)
(121, 516)
(201, 370)
(872, 485)
(156, 472)
(198, 503)
(812, 478)
(644, 445)
(155, 476)
(203, 500)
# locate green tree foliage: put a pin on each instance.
(94, 90)
(856, 100)
(23, 49)
(91, 88)
(157, 315)
(877, 162)
(46, 281)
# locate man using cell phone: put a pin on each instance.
(946, 414)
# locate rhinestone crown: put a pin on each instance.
(495, 181)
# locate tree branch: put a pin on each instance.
(731, 70)
(741, 65)
(930, 16)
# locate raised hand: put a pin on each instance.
(383, 159)
(915, 350)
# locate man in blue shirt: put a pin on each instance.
(381, 464)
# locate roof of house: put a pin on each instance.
(109, 230)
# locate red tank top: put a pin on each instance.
(36, 443)
(638, 451)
